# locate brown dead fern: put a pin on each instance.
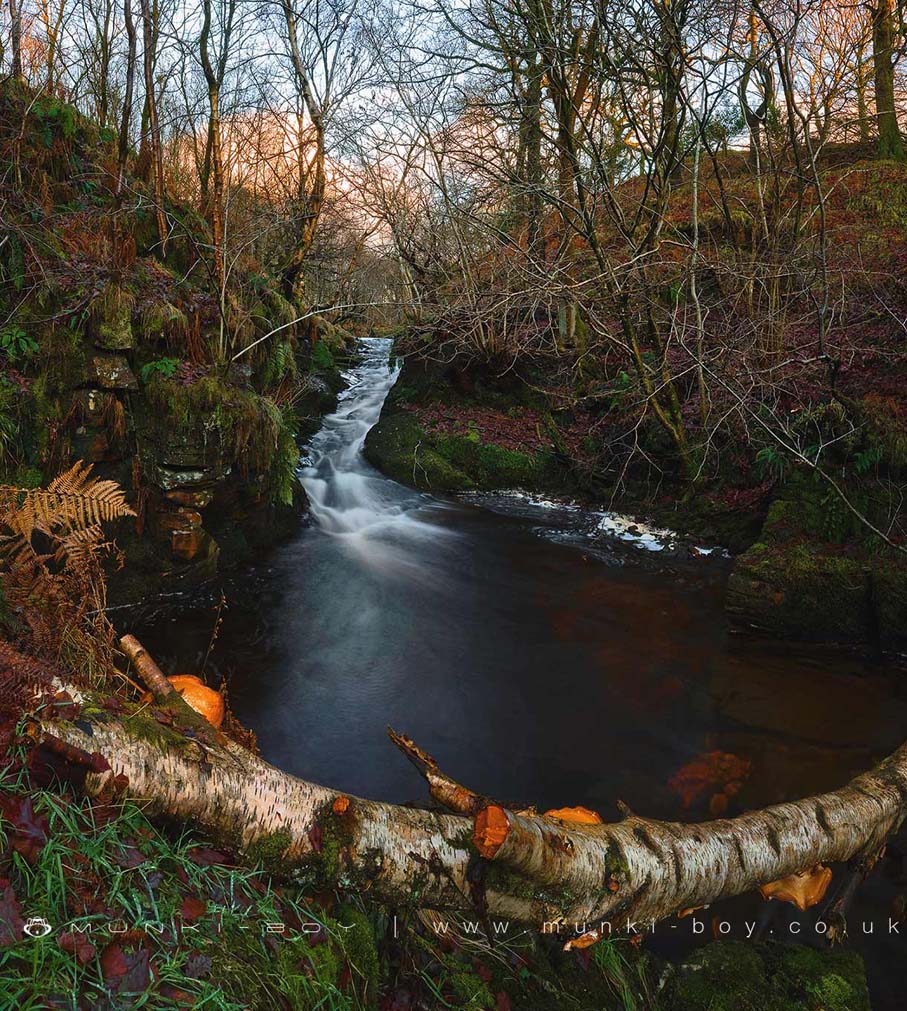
(52, 548)
(72, 501)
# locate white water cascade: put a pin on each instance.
(346, 495)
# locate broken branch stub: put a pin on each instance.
(146, 668)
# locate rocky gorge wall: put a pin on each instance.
(116, 349)
(210, 456)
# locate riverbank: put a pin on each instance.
(392, 596)
(804, 566)
(118, 351)
(134, 913)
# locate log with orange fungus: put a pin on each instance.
(576, 815)
(804, 889)
(563, 867)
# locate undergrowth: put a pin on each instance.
(133, 916)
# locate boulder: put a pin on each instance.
(197, 447)
(172, 478)
(190, 545)
(178, 519)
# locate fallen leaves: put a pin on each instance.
(126, 972)
(130, 857)
(718, 775)
(77, 944)
(193, 909)
(205, 857)
(11, 922)
(29, 829)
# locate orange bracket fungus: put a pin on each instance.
(197, 695)
(577, 815)
(804, 889)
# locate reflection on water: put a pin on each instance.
(531, 669)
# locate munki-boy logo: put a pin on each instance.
(37, 926)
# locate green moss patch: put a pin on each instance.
(737, 976)
(812, 575)
(403, 449)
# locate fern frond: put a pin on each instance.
(79, 545)
(72, 501)
(18, 552)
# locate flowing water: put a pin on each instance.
(543, 654)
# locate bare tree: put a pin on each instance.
(884, 31)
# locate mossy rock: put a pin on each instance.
(111, 372)
(797, 582)
(400, 447)
(111, 319)
(161, 320)
(333, 336)
(739, 976)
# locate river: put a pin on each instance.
(543, 654)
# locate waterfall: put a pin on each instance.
(346, 495)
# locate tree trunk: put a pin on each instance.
(154, 129)
(860, 86)
(518, 866)
(891, 144)
(672, 65)
(123, 143)
(215, 194)
(531, 137)
(15, 17)
(308, 212)
(310, 203)
(754, 118)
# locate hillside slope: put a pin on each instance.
(111, 351)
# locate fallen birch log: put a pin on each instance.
(519, 866)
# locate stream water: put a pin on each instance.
(543, 654)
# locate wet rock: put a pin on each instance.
(199, 447)
(793, 583)
(179, 519)
(112, 372)
(193, 499)
(173, 478)
(97, 448)
(188, 545)
(90, 404)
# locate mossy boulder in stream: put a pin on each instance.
(447, 450)
(407, 452)
(799, 580)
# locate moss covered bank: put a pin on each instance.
(805, 566)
